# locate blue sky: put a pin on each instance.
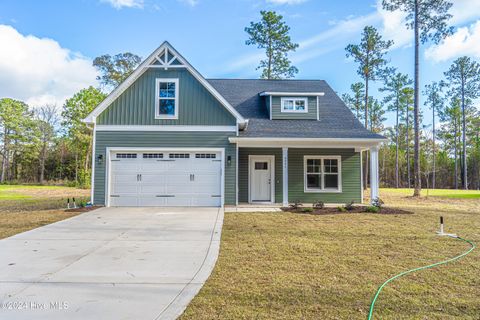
(47, 46)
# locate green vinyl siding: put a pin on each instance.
(278, 114)
(243, 176)
(155, 139)
(136, 105)
(351, 180)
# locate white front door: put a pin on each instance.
(261, 178)
(165, 178)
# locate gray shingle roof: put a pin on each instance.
(335, 119)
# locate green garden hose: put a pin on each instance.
(370, 313)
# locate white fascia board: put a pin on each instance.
(166, 128)
(143, 67)
(300, 94)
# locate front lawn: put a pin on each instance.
(300, 266)
(444, 193)
(27, 207)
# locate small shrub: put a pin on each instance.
(349, 206)
(377, 202)
(341, 209)
(307, 210)
(319, 204)
(295, 204)
(372, 209)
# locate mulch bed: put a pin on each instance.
(82, 209)
(355, 209)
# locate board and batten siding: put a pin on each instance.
(243, 175)
(351, 176)
(136, 106)
(278, 114)
(155, 139)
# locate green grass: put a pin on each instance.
(14, 198)
(300, 266)
(444, 193)
(26, 207)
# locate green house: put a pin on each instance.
(169, 137)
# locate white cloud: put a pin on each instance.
(393, 26)
(191, 3)
(464, 42)
(39, 70)
(119, 4)
(290, 2)
(464, 11)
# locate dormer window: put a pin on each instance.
(166, 101)
(294, 105)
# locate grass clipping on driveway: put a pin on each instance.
(295, 266)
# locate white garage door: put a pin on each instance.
(174, 178)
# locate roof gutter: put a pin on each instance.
(269, 139)
(359, 144)
(290, 94)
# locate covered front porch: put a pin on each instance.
(279, 171)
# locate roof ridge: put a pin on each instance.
(265, 79)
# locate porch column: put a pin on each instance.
(374, 178)
(285, 175)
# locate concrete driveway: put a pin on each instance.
(111, 263)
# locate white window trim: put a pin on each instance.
(322, 176)
(282, 103)
(157, 98)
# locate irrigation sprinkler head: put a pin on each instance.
(442, 233)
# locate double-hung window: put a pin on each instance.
(294, 105)
(166, 99)
(322, 174)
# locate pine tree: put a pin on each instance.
(370, 56)
(272, 34)
(428, 19)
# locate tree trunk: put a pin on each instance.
(5, 155)
(42, 162)
(365, 171)
(464, 140)
(4, 164)
(269, 70)
(455, 178)
(408, 147)
(434, 149)
(396, 149)
(76, 167)
(416, 115)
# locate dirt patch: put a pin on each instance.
(355, 209)
(57, 192)
(82, 209)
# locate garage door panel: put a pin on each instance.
(178, 178)
(151, 202)
(124, 178)
(155, 190)
(153, 166)
(153, 178)
(206, 201)
(124, 201)
(206, 164)
(179, 200)
(206, 178)
(125, 165)
(167, 180)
